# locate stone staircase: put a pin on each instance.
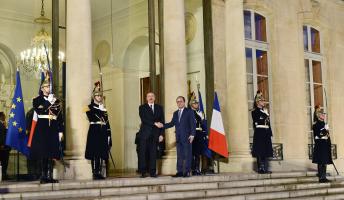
(289, 185)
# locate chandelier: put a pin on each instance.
(37, 58)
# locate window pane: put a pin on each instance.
(308, 94)
(315, 37)
(250, 92)
(260, 25)
(318, 95)
(307, 70)
(316, 65)
(309, 116)
(247, 22)
(249, 61)
(262, 62)
(305, 38)
(263, 85)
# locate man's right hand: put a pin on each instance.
(159, 124)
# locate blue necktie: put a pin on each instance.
(179, 114)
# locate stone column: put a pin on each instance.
(79, 86)
(291, 124)
(235, 100)
(175, 72)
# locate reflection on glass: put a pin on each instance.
(262, 62)
(260, 25)
(318, 95)
(309, 122)
(308, 94)
(263, 85)
(316, 65)
(307, 70)
(250, 92)
(305, 38)
(247, 23)
(249, 60)
(315, 38)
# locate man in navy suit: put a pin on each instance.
(185, 127)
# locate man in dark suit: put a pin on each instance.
(185, 127)
(152, 116)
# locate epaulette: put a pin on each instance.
(86, 108)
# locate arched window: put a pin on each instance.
(314, 74)
(257, 58)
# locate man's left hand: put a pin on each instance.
(161, 138)
(191, 138)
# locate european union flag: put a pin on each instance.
(16, 134)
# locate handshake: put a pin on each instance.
(159, 124)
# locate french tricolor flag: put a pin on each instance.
(217, 137)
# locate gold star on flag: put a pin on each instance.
(11, 115)
(14, 106)
(20, 129)
(18, 99)
(14, 123)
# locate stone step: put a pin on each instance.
(228, 180)
(222, 186)
(192, 190)
(314, 193)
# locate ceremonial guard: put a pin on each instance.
(99, 133)
(322, 147)
(48, 132)
(262, 145)
(198, 143)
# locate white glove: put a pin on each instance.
(109, 138)
(327, 127)
(101, 107)
(60, 136)
(51, 98)
(265, 110)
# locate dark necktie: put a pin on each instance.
(151, 106)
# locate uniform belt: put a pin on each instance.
(51, 117)
(262, 126)
(199, 129)
(321, 138)
(98, 122)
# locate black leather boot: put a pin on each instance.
(260, 165)
(98, 166)
(50, 172)
(322, 173)
(44, 171)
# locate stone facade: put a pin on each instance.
(124, 56)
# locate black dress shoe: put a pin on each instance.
(325, 180)
(196, 173)
(179, 174)
(185, 175)
(153, 175)
(143, 175)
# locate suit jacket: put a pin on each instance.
(148, 118)
(185, 127)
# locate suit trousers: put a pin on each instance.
(184, 155)
(147, 154)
